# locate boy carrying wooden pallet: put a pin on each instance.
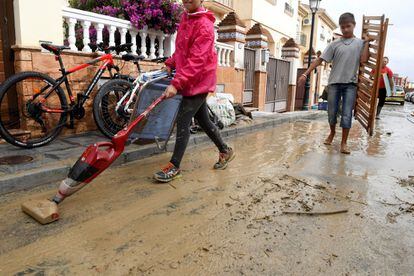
(345, 54)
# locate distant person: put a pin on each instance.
(346, 53)
(382, 93)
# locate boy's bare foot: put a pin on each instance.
(328, 141)
(345, 150)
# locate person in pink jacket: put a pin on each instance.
(195, 62)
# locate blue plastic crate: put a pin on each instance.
(323, 106)
(160, 122)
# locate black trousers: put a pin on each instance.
(196, 107)
(382, 94)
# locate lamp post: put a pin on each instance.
(314, 6)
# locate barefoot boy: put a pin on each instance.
(345, 53)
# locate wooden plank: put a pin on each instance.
(374, 27)
(366, 71)
(365, 87)
(363, 110)
(364, 114)
(362, 121)
(366, 92)
(363, 104)
(372, 32)
(373, 57)
(373, 17)
(364, 98)
(370, 65)
(366, 81)
(362, 94)
(374, 37)
(373, 46)
(360, 116)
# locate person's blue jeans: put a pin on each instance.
(347, 92)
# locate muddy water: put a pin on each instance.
(238, 221)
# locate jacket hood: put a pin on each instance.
(201, 11)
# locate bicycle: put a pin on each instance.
(114, 102)
(43, 102)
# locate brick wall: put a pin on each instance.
(233, 81)
(32, 59)
(29, 59)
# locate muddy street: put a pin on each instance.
(287, 205)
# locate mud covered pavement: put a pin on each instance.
(286, 205)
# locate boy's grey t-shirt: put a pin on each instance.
(345, 55)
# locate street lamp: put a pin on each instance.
(314, 6)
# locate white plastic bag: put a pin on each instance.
(223, 109)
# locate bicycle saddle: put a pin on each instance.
(132, 57)
(54, 48)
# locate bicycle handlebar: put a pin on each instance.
(159, 60)
(107, 49)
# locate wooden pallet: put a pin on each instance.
(374, 27)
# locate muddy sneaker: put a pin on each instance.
(168, 173)
(224, 159)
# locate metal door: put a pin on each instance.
(277, 85)
(300, 91)
(249, 66)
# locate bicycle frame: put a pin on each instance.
(137, 84)
(82, 97)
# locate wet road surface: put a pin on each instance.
(255, 218)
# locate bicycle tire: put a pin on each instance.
(102, 117)
(8, 84)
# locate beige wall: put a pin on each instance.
(243, 8)
(38, 20)
(274, 16)
(318, 44)
(271, 14)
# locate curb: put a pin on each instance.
(42, 176)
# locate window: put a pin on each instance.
(289, 9)
(322, 36)
(303, 39)
(298, 30)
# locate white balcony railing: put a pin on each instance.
(159, 45)
(157, 40)
(224, 54)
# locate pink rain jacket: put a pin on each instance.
(195, 57)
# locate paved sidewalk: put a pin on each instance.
(52, 163)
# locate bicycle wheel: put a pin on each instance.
(108, 119)
(31, 113)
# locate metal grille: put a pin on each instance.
(277, 85)
(249, 65)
